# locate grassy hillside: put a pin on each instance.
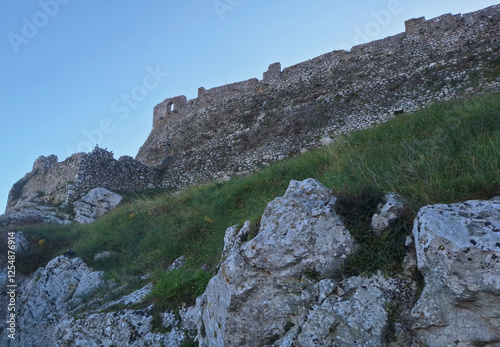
(445, 153)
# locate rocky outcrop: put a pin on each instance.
(354, 312)
(34, 209)
(47, 183)
(257, 291)
(458, 252)
(57, 307)
(48, 295)
(46, 194)
(127, 327)
(285, 287)
(117, 323)
(95, 204)
(264, 293)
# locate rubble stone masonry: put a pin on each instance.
(226, 131)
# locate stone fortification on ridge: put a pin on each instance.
(226, 131)
(56, 184)
(237, 128)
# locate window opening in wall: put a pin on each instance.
(170, 107)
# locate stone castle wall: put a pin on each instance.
(225, 131)
(48, 181)
(237, 128)
(55, 183)
(100, 169)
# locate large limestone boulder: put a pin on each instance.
(257, 291)
(48, 295)
(458, 252)
(95, 204)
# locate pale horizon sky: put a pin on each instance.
(77, 73)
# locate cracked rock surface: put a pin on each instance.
(257, 290)
(458, 252)
(95, 204)
(284, 287)
(48, 295)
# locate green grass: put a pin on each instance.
(45, 241)
(441, 154)
(178, 287)
(445, 153)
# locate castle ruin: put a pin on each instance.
(227, 131)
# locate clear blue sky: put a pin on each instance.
(73, 73)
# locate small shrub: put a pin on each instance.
(357, 209)
(254, 228)
(385, 252)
